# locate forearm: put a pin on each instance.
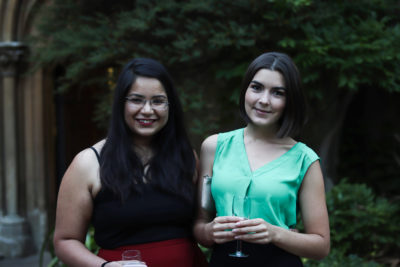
(73, 253)
(313, 246)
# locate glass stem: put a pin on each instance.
(239, 246)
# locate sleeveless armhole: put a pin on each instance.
(309, 158)
(223, 137)
(97, 153)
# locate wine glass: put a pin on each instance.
(241, 208)
(132, 258)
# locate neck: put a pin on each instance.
(142, 141)
(144, 150)
(258, 133)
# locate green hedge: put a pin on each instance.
(364, 227)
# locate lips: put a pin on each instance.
(145, 122)
(262, 111)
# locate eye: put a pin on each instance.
(255, 87)
(279, 92)
(135, 100)
(159, 101)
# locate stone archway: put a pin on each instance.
(27, 182)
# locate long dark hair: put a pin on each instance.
(173, 164)
(294, 115)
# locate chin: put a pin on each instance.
(149, 133)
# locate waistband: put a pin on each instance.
(146, 248)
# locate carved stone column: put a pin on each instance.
(15, 238)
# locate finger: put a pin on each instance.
(224, 226)
(228, 219)
(251, 222)
(259, 238)
(223, 236)
(249, 229)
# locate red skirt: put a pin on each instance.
(180, 252)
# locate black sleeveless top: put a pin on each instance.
(152, 216)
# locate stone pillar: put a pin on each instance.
(15, 237)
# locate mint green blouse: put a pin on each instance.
(273, 187)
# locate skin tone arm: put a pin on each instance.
(74, 209)
(207, 229)
(315, 242)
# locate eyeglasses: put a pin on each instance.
(156, 103)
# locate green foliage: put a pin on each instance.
(362, 223)
(338, 259)
(364, 228)
(348, 43)
(206, 251)
(338, 45)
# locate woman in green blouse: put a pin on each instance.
(263, 162)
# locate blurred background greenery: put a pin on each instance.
(347, 53)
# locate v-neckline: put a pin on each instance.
(269, 164)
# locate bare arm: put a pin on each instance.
(209, 230)
(74, 210)
(315, 242)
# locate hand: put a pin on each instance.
(254, 231)
(216, 230)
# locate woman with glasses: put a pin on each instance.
(275, 172)
(137, 186)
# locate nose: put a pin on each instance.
(264, 98)
(147, 108)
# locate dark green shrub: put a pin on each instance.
(338, 259)
(364, 228)
(362, 223)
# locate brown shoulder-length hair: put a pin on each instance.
(294, 115)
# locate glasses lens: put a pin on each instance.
(159, 103)
(155, 103)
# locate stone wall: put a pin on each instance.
(27, 197)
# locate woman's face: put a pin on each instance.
(146, 108)
(265, 98)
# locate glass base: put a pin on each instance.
(238, 254)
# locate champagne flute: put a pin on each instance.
(241, 208)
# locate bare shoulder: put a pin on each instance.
(209, 145)
(99, 145)
(83, 172)
(207, 155)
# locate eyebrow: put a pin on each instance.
(142, 96)
(258, 83)
(262, 85)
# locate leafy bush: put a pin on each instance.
(364, 228)
(362, 223)
(338, 259)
